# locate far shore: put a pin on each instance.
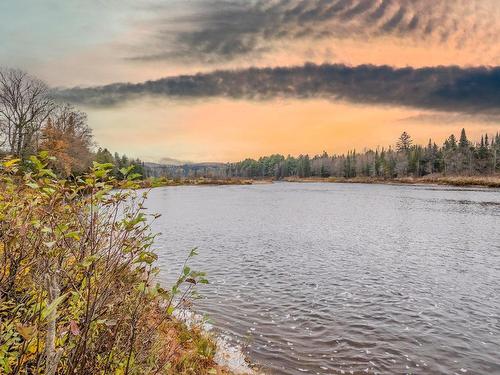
(154, 182)
(483, 181)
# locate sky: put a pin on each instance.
(223, 80)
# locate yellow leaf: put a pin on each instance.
(11, 163)
(32, 347)
(25, 331)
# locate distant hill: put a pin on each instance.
(172, 161)
(173, 168)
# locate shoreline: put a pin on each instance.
(163, 181)
(151, 183)
(228, 357)
(461, 181)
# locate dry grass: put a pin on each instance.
(162, 181)
(486, 181)
(180, 349)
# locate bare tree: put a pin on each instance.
(68, 119)
(25, 104)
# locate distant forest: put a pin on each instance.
(461, 157)
(31, 121)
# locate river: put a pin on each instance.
(326, 278)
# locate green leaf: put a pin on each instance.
(134, 176)
(53, 306)
(147, 257)
(126, 171)
(38, 164)
(43, 154)
(175, 290)
(141, 287)
(47, 172)
(193, 252)
(100, 173)
(186, 270)
(48, 190)
(98, 166)
(74, 235)
(88, 261)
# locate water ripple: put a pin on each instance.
(344, 279)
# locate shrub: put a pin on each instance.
(77, 290)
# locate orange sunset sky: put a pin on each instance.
(189, 79)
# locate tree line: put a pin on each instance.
(453, 157)
(32, 121)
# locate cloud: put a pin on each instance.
(454, 89)
(212, 31)
(451, 118)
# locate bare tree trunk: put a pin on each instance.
(19, 144)
(52, 356)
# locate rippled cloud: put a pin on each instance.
(215, 31)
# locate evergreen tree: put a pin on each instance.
(404, 142)
(104, 156)
(463, 143)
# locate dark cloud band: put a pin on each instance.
(467, 90)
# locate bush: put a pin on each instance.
(77, 291)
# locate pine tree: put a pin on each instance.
(404, 142)
(452, 142)
(463, 143)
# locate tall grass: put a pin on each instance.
(77, 290)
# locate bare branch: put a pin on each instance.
(25, 104)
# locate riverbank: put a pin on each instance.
(187, 348)
(163, 181)
(484, 181)
(155, 182)
(78, 291)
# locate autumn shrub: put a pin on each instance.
(77, 279)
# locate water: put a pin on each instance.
(344, 278)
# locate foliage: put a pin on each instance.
(104, 156)
(68, 138)
(77, 290)
(31, 121)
